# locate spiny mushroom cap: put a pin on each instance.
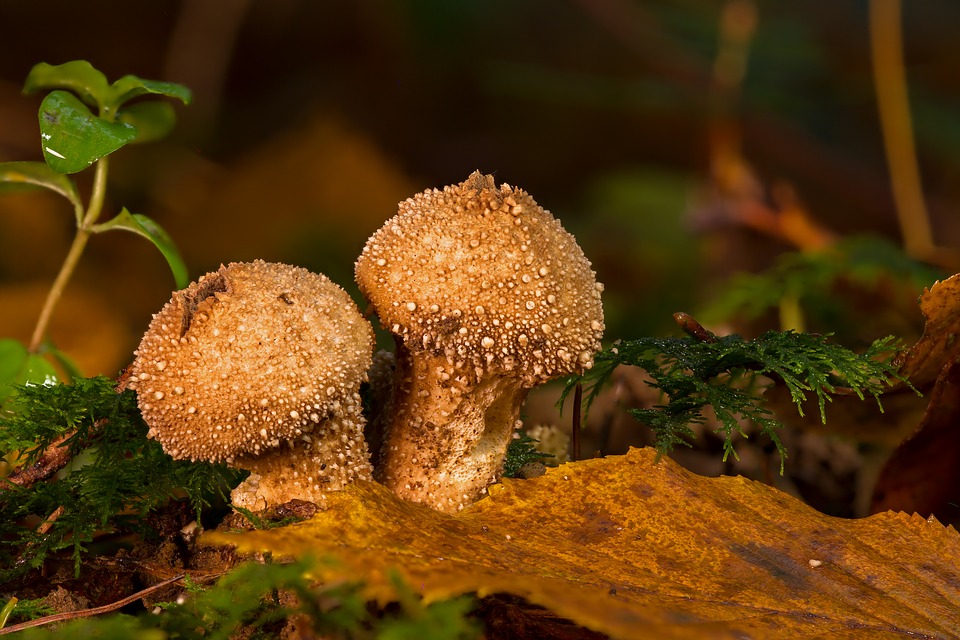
(247, 357)
(487, 279)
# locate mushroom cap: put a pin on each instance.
(248, 357)
(487, 279)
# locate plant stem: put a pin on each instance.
(893, 105)
(73, 255)
(791, 313)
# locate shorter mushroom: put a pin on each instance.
(259, 365)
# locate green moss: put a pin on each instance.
(116, 477)
(255, 599)
(520, 452)
(723, 373)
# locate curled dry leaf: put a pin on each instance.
(635, 549)
(940, 305)
(923, 473)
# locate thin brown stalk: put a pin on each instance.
(73, 255)
(886, 40)
(577, 400)
(87, 613)
(54, 457)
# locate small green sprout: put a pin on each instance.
(83, 119)
(17, 609)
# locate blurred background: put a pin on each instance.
(681, 141)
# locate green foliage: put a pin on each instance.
(521, 451)
(15, 611)
(20, 176)
(146, 228)
(117, 478)
(73, 136)
(258, 597)
(445, 620)
(6, 611)
(722, 373)
(863, 260)
(19, 366)
(83, 119)
(107, 628)
(249, 596)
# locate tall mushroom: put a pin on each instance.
(487, 296)
(259, 365)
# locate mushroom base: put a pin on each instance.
(445, 442)
(305, 469)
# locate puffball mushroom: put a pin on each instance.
(487, 296)
(259, 365)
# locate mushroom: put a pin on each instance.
(259, 365)
(487, 296)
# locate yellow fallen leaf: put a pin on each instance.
(635, 549)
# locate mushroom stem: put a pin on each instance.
(326, 458)
(446, 437)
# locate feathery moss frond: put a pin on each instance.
(116, 478)
(722, 373)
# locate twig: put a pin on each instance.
(95, 611)
(606, 427)
(56, 455)
(49, 520)
(53, 458)
(42, 529)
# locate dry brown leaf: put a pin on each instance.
(636, 549)
(923, 473)
(940, 305)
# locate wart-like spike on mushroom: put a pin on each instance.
(259, 365)
(487, 296)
